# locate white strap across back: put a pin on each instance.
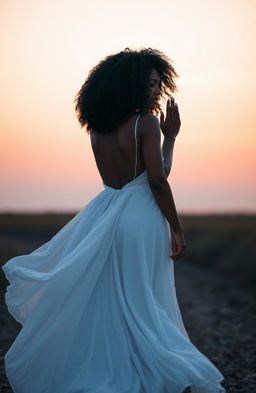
(136, 146)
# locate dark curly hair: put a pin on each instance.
(118, 86)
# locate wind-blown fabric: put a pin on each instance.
(98, 306)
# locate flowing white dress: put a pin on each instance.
(98, 305)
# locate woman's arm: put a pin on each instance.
(158, 183)
(167, 151)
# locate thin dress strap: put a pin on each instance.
(136, 146)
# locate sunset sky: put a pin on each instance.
(47, 49)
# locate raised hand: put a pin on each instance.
(170, 126)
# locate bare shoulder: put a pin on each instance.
(150, 124)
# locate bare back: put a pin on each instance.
(115, 154)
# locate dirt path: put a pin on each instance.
(219, 317)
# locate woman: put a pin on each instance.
(97, 301)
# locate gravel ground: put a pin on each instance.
(219, 316)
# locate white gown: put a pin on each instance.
(98, 305)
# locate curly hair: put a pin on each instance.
(118, 86)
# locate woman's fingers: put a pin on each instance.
(172, 109)
(162, 120)
(177, 256)
(176, 251)
(178, 246)
(169, 106)
(176, 111)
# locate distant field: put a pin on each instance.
(224, 244)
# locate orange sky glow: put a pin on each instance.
(47, 50)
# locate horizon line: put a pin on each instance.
(181, 212)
